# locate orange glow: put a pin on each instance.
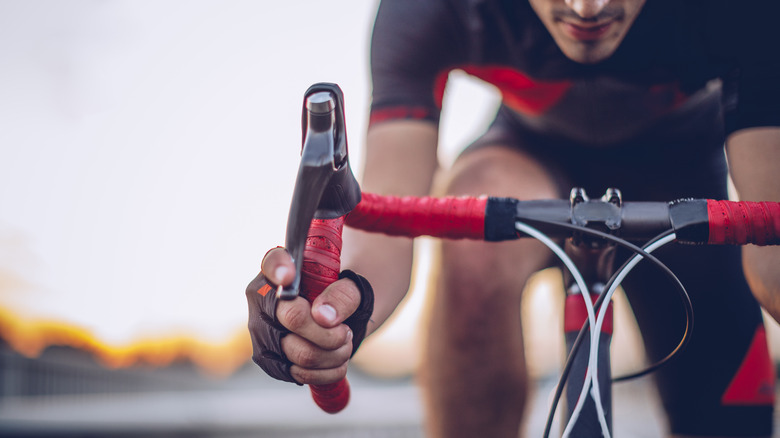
(31, 337)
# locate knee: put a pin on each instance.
(499, 171)
(478, 279)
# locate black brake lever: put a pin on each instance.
(325, 187)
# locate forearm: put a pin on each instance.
(762, 270)
(386, 262)
(754, 160)
(400, 160)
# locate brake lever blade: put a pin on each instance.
(325, 191)
(314, 173)
(325, 187)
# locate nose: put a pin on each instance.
(587, 8)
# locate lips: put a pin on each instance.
(586, 32)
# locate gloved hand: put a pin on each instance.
(301, 342)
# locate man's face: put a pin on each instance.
(587, 31)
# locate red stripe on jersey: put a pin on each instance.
(520, 92)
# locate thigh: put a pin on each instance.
(721, 384)
(480, 283)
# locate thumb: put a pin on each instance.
(278, 267)
(336, 303)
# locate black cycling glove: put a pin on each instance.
(267, 333)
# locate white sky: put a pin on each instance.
(148, 150)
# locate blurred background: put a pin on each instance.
(147, 155)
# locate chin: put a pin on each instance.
(589, 53)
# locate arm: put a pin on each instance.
(754, 162)
(400, 160)
(411, 46)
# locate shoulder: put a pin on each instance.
(413, 45)
(416, 23)
(744, 37)
(418, 37)
(407, 15)
(738, 29)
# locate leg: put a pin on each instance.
(473, 371)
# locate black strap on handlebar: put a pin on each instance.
(690, 220)
(500, 215)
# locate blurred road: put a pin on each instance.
(65, 393)
(378, 409)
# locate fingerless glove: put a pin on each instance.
(267, 332)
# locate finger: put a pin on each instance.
(278, 267)
(318, 377)
(307, 355)
(296, 316)
(336, 303)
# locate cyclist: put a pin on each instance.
(635, 94)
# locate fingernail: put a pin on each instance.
(328, 312)
(349, 335)
(280, 273)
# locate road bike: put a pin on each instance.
(326, 197)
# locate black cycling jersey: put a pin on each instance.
(676, 53)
